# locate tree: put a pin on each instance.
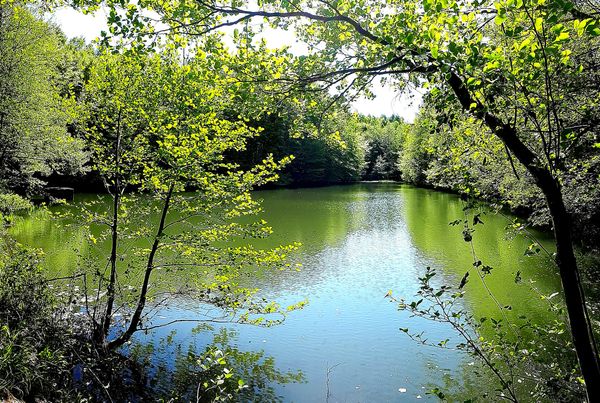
(416, 154)
(499, 60)
(34, 141)
(154, 126)
(452, 150)
(329, 153)
(382, 140)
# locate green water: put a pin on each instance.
(359, 241)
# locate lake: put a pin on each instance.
(359, 241)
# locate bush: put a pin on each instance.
(32, 342)
(11, 203)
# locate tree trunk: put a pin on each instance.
(137, 315)
(580, 324)
(581, 327)
(110, 291)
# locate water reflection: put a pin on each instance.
(358, 241)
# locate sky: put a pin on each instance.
(387, 101)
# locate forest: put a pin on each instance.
(178, 191)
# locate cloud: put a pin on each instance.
(76, 24)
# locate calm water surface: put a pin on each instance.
(359, 242)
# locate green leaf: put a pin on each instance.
(563, 36)
(539, 24)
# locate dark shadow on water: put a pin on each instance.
(205, 372)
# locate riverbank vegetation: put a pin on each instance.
(510, 116)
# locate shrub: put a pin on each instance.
(32, 347)
(11, 203)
